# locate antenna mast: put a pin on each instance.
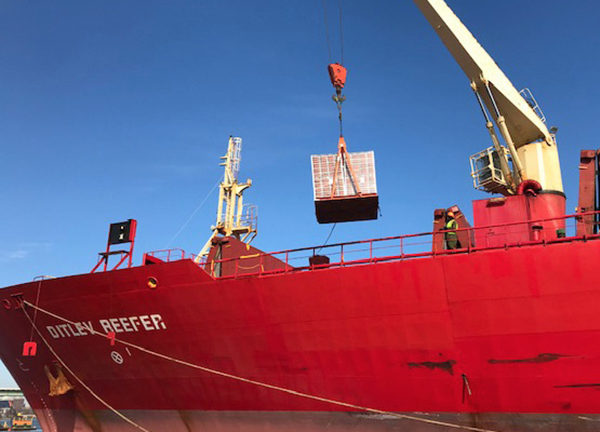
(233, 218)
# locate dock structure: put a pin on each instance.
(15, 396)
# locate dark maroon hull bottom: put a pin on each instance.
(289, 421)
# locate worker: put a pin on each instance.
(450, 237)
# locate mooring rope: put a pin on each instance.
(234, 377)
(79, 380)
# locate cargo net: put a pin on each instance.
(323, 173)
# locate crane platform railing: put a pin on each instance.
(404, 247)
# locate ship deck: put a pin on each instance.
(373, 251)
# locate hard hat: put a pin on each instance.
(450, 213)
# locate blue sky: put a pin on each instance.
(121, 109)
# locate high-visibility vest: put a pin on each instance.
(451, 225)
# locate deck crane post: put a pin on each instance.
(233, 218)
(532, 186)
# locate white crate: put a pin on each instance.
(363, 166)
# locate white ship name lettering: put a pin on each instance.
(133, 323)
(117, 325)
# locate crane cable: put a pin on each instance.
(337, 72)
(327, 31)
(341, 34)
(338, 100)
(327, 239)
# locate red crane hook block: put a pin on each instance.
(337, 74)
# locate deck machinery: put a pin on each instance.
(522, 164)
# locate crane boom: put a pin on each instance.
(531, 145)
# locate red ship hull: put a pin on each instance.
(500, 339)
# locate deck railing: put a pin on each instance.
(167, 255)
(411, 246)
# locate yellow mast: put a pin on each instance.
(231, 218)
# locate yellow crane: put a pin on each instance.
(530, 150)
